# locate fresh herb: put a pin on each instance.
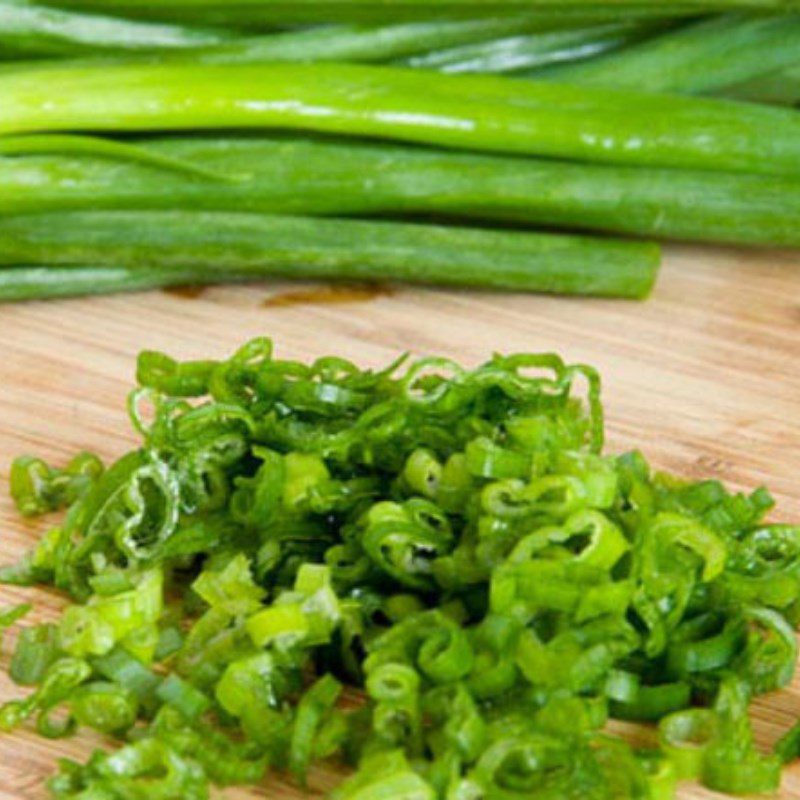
(174, 247)
(29, 29)
(577, 116)
(319, 177)
(259, 14)
(471, 112)
(453, 542)
(532, 51)
(703, 57)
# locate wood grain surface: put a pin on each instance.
(704, 378)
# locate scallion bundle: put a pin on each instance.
(427, 134)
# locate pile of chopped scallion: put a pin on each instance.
(452, 542)
(495, 144)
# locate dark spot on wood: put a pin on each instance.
(334, 293)
(708, 464)
(187, 292)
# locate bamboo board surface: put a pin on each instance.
(704, 378)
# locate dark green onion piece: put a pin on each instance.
(699, 58)
(779, 88)
(8, 616)
(36, 650)
(787, 748)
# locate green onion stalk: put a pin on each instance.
(257, 13)
(484, 113)
(208, 247)
(33, 31)
(703, 57)
(327, 177)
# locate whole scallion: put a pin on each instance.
(210, 246)
(33, 31)
(257, 13)
(466, 112)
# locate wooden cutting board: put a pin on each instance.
(704, 378)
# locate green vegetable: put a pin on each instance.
(452, 541)
(787, 748)
(356, 43)
(382, 776)
(146, 768)
(732, 764)
(312, 725)
(702, 57)
(38, 488)
(105, 707)
(181, 695)
(8, 616)
(305, 176)
(528, 52)
(466, 112)
(59, 682)
(103, 149)
(258, 13)
(210, 246)
(318, 43)
(780, 88)
(46, 283)
(127, 616)
(30, 29)
(37, 648)
(128, 672)
(685, 737)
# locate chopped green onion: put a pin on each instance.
(450, 540)
(8, 616)
(37, 648)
